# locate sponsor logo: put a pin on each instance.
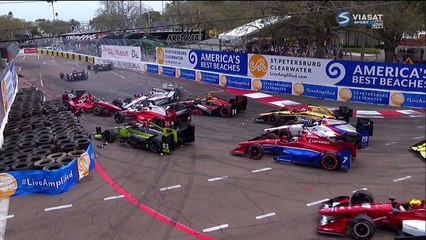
(256, 84)
(397, 99)
(160, 70)
(83, 164)
(178, 73)
(345, 94)
(344, 19)
(160, 55)
(335, 71)
(222, 80)
(298, 89)
(8, 185)
(198, 76)
(258, 65)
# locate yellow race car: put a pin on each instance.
(420, 147)
(288, 115)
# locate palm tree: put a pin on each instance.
(53, 9)
(10, 14)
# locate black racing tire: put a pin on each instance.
(97, 110)
(290, 122)
(65, 159)
(67, 147)
(55, 156)
(255, 151)
(155, 145)
(21, 166)
(66, 105)
(43, 152)
(36, 158)
(9, 149)
(127, 100)
(52, 166)
(362, 196)
(119, 117)
(273, 118)
(26, 144)
(82, 143)
(285, 133)
(109, 135)
(330, 161)
(8, 162)
(158, 121)
(61, 75)
(43, 162)
(270, 135)
(4, 168)
(117, 103)
(51, 147)
(26, 150)
(362, 227)
(225, 112)
(22, 157)
(89, 67)
(76, 153)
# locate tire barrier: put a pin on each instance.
(37, 130)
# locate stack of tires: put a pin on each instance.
(40, 135)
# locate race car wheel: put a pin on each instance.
(66, 105)
(273, 118)
(290, 122)
(97, 110)
(127, 100)
(285, 133)
(119, 117)
(158, 121)
(330, 161)
(89, 67)
(255, 151)
(270, 136)
(362, 227)
(53, 166)
(61, 75)
(362, 196)
(117, 103)
(109, 135)
(155, 145)
(225, 112)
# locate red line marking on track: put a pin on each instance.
(149, 210)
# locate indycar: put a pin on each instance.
(420, 147)
(309, 149)
(149, 136)
(212, 106)
(360, 215)
(100, 67)
(332, 129)
(74, 75)
(81, 101)
(158, 96)
(298, 113)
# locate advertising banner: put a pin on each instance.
(402, 99)
(221, 62)
(138, 66)
(185, 74)
(121, 52)
(30, 50)
(9, 86)
(235, 82)
(316, 91)
(210, 78)
(25, 182)
(167, 71)
(271, 86)
(152, 68)
(363, 96)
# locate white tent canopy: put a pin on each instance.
(249, 28)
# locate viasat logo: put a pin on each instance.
(258, 65)
(397, 99)
(344, 19)
(8, 185)
(160, 55)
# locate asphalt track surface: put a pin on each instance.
(208, 187)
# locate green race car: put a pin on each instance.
(149, 136)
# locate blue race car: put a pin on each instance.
(74, 75)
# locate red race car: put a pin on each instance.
(360, 215)
(308, 149)
(212, 105)
(81, 101)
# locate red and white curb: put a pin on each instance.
(279, 102)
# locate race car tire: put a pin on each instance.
(270, 136)
(43, 162)
(83, 143)
(350, 137)
(65, 159)
(225, 112)
(119, 117)
(109, 135)
(4, 168)
(53, 166)
(76, 153)
(67, 147)
(43, 152)
(61, 75)
(55, 156)
(362, 196)
(97, 110)
(362, 227)
(273, 118)
(66, 105)
(21, 166)
(290, 122)
(8, 162)
(22, 157)
(89, 67)
(329, 161)
(127, 100)
(117, 103)
(255, 151)
(155, 145)
(158, 121)
(51, 147)
(285, 133)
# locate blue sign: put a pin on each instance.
(276, 86)
(169, 71)
(211, 78)
(222, 62)
(369, 96)
(151, 68)
(414, 100)
(318, 91)
(376, 75)
(187, 74)
(238, 82)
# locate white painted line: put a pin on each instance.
(360, 189)
(365, 112)
(216, 178)
(171, 187)
(390, 143)
(420, 126)
(19, 69)
(216, 228)
(369, 116)
(408, 112)
(261, 170)
(23, 58)
(317, 202)
(401, 179)
(284, 103)
(58, 207)
(4, 210)
(116, 73)
(121, 76)
(419, 137)
(265, 215)
(7, 217)
(113, 197)
(41, 80)
(257, 95)
(38, 56)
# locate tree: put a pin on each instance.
(10, 14)
(53, 9)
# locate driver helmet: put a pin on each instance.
(415, 203)
(209, 96)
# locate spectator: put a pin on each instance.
(340, 55)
